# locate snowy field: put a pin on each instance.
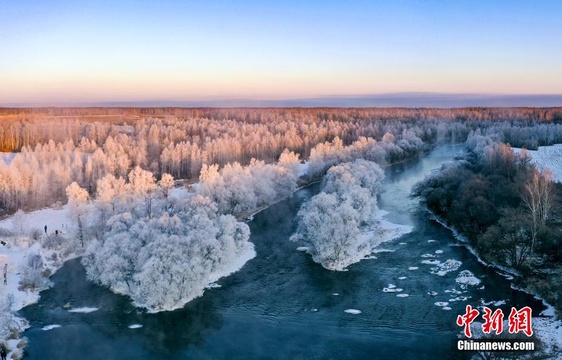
(547, 157)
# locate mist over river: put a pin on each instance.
(282, 305)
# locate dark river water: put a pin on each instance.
(281, 305)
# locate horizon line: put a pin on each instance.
(399, 99)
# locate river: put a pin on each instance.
(282, 305)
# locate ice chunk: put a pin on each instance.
(446, 267)
(431, 262)
(352, 311)
(49, 327)
(83, 310)
(135, 326)
(466, 278)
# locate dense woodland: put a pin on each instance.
(509, 210)
(58, 146)
(117, 170)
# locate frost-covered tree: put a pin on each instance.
(78, 207)
(329, 229)
(329, 224)
(163, 262)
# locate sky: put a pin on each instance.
(71, 52)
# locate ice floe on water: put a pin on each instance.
(496, 303)
(302, 248)
(402, 295)
(84, 310)
(467, 278)
(413, 268)
(441, 303)
(439, 251)
(135, 326)
(391, 288)
(402, 278)
(352, 311)
(50, 327)
(402, 243)
(446, 308)
(428, 256)
(336, 294)
(431, 262)
(446, 267)
(454, 291)
(460, 298)
(431, 241)
(432, 293)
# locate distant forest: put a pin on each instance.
(58, 146)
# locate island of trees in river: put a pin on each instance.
(119, 170)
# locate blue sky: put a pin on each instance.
(78, 51)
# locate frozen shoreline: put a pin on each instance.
(16, 254)
(547, 328)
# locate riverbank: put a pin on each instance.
(23, 235)
(547, 326)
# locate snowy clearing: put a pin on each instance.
(547, 157)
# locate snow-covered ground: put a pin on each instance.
(17, 251)
(19, 247)
(547, 157)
